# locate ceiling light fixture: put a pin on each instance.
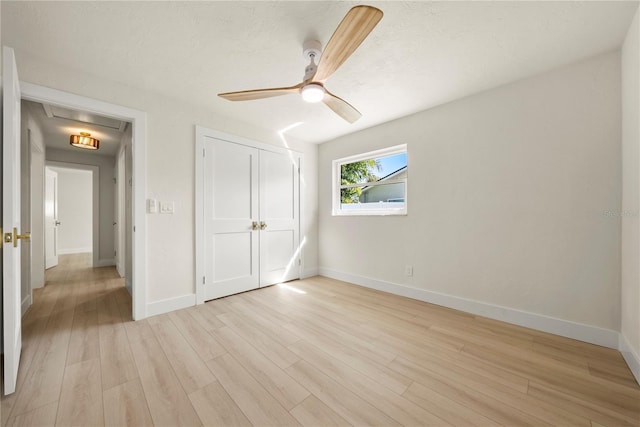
(312, 92)
(85, 141)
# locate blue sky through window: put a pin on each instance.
(390, 164)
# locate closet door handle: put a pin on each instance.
(254, 225)
(263, 225)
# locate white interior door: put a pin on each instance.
(51, 218)
(279, 217)
(12, 327)
(230, 210)
(251, 217)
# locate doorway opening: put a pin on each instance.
(70, 216)
(117, 178)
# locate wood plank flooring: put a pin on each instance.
(315, 352)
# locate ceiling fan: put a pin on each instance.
(354, 28)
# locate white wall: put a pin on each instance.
(171, 170)
(32, 183)
(106, 165)
(630, 213)
(37, 217)
(75, 199)
(128, 211)
(509, 197)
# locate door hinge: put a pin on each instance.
(115, 253)
(203, 280)
(299, 261)
(114, 181)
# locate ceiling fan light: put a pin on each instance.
(85, 141)
(312, 92)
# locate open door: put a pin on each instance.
(11, 219)
(51, 218)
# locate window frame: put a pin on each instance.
(336, 184)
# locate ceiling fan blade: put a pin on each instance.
(341, 107)
(354, 28)
(248, 95)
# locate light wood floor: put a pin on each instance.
(317, 352)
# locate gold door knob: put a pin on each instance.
(263, 225)
(16, 236)
(254, 225)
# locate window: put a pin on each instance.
(373, 183)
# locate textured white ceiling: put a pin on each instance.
(422, 54)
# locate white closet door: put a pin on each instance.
(279, 217)
(230, 207)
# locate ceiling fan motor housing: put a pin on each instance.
(311, 51)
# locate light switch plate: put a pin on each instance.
(152, 206)
(166, 207)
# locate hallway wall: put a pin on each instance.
(75, 212)
(32, 213)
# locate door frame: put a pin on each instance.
(95, 202)
(138, 119)
(201, 134)
(120, 214)
(50, 193)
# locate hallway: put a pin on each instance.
(74, 346)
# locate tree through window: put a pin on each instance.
(373, 183)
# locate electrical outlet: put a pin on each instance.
(408, 270)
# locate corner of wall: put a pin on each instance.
(630, 356)
(629, 342)
(170, 304)
(106, 262)
(310, 272)
(26, 303)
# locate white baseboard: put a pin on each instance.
(170, 304)
(74, 251)
(26, 303)
(37, 285)
(309, 273)
(128, 285)
(106, 262)
(579, 331)
(630, 356)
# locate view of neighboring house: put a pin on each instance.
(393, 191)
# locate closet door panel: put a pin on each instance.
(279, 211)
(230, 208)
